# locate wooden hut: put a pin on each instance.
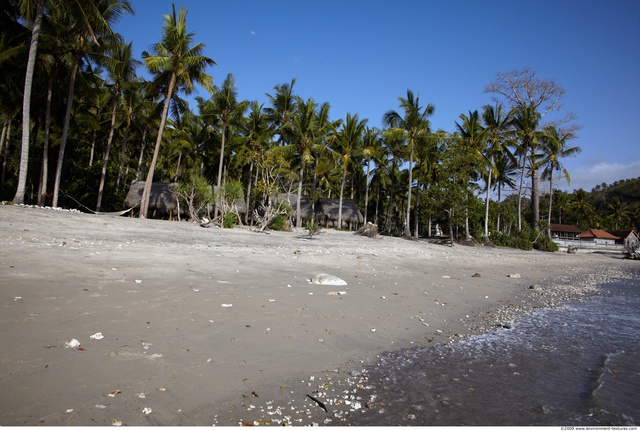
(162, 203)
(327, 212)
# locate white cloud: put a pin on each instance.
(589, 177)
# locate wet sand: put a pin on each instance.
(222, 327)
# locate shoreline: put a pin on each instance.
(157, 291)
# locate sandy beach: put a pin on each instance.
(183, 325)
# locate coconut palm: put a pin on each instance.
(309, 127)
(413, 129)
(283, 105)
(346, 145)
(180, 65)
(121, 69)
(526, 121)
(473, 139)
(554, 146)
(497, 123)
(226, 111)
(371, 148)
(87, 22)
(31, 10)
(256, 136)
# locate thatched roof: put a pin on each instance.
(292, 199)
(161, 199)
(328, 208)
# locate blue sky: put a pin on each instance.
(360, 56)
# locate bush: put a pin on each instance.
(229, 220)
(279, 222)
(544, 243)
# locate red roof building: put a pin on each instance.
(598, 236)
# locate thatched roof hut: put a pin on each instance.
(162, 203)
(292, 199)
(327, 212)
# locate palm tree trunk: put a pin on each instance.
(520, 195)
(6, 149)
(366, 193)
(550, 202)
(344, 178)
(219, 182)
(298, 208)
(44, 170)
(93, 147)
(407, 229)
(26, 104)
(65, 131)
(122, 155)
(105, 162)
(535, 198)
(141, 158)
(486, 210)
(146, 193)
(416, 230)
(248, 200)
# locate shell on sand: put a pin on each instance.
(328, 279)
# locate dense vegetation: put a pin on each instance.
(83, 125)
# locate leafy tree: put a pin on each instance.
(181, 66)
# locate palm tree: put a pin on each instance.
(180, 65)
(309, 126)
(28, 12)
(87, 22)
(228, 112)
(554, 145)
(283, 105)
(256, 135)
(473, 138)
(371, 149)
(414, 129)
(121, 67)
(620, 213)
(582, 208)
(347, 143)
(497, 124)
(506, 169)
(526, 119)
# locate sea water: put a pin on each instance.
(574, 365)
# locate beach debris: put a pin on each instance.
(342, 292)
(101, 406)
(73, 344)
(17, 298)
(141, 395)
(476, 275)
(147, 410)
(68, 411)
(320, 403)
(572, 249)
(370, 230)
(328, 279)
(114, 393)
(515, 275)
(97, 336)
(226, 305)
(138, 281)
(116, 423)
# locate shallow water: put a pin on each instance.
(576, 365)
